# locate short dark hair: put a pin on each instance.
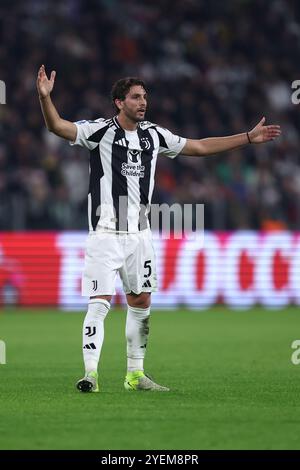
(121, 88)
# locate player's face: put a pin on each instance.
(135, 104)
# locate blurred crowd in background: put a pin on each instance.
(212, 69)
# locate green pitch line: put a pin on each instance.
(232, 380)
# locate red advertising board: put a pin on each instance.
(239, 269)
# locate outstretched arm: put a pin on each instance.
(258, 135)
(54, 122)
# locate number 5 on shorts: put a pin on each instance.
(147, 265)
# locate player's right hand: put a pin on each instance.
(43, 84)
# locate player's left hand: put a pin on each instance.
(261, 133)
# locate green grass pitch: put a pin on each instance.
(233, 383)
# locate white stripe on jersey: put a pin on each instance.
(107, 207)
(90, 212)
(155, 138)
(133, 186)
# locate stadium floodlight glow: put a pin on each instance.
(2, 92)
(2, 352)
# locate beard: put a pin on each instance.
(134, 116)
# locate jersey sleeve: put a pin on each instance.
(170, 144)
(86, 129)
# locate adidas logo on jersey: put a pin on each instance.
(122, 142)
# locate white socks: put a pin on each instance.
(137, 331)
(93, 333)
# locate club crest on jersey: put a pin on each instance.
(134, 156)
(145, 143)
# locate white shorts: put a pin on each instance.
(130, 254)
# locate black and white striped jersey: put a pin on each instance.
(122, 169)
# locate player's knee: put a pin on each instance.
(142, 300)
(104, 297)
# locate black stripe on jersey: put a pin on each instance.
(146, 160)
(98, 135)
(96, 173)
(162, 142)
(111, 123)
(94, 187)
(115, 120)
(119, 181)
